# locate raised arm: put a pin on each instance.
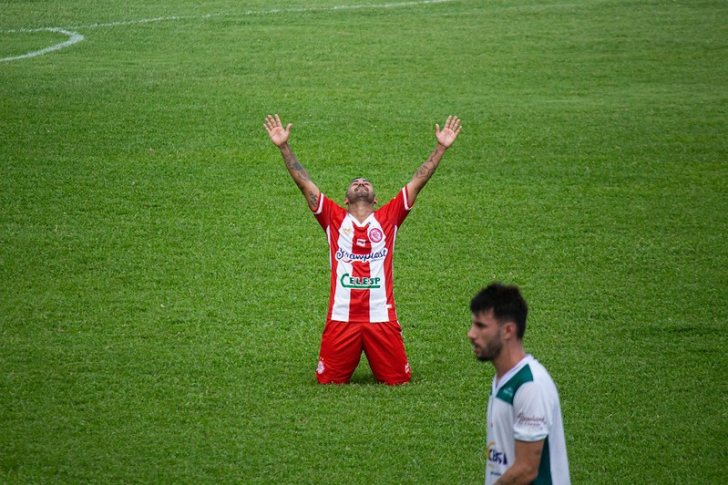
(445, 138)
(279, 136)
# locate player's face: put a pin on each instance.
(360, 189)
(485, 334)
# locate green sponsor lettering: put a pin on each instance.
(359, 282)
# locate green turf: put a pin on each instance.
(164, 287)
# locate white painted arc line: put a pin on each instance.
(75, 37)
(247, 13)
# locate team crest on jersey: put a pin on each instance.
(375, 235)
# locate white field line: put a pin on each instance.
(75, 37)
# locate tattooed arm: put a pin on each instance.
(279, 136)
(445, 138)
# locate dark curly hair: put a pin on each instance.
(506, 302)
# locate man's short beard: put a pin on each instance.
(491, 351)
(366, 196)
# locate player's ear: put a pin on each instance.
(376, 201)
(346, 201)
(509, 329)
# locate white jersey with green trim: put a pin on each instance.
(524, 405)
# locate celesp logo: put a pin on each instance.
(359, 282)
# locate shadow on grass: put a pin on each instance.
(363, 379)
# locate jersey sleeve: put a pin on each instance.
(531, 416)
(397, 209)
(325, 211)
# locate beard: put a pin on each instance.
(491, 350)
(360, 194)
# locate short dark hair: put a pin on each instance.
(506, 302)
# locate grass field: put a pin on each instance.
(164, 287)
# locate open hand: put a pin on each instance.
(276, 132)
(447, 136)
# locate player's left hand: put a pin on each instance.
(450, 131)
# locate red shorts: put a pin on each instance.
(342, 344)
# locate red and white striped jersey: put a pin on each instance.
(361, 259)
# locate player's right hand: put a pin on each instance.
(277, 133)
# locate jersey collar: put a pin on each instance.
(507, 377)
